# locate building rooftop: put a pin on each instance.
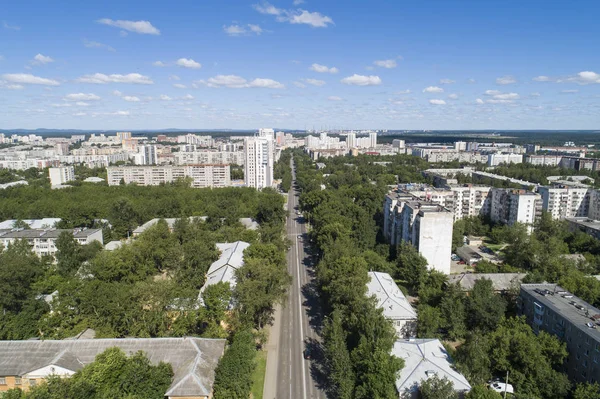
(45, 233)
(389, 297)
(424, 358)
(586, 222)
(223, 269)
(579, 313)
(32, 223)
(193, 359)
(500, 281)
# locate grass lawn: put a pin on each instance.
(258, 377)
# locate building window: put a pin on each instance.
(17, 380)
(2, 381)
(32, 382)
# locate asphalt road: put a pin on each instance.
(297, 322)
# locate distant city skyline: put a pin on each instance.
(299, 64)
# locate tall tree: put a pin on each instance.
(338, 364)
(486, 308)
(437, 388)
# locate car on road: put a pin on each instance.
(306, 353)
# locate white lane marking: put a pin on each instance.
(301, 326)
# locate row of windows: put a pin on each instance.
(32, 382)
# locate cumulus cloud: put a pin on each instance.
(535, 94)
(298, 16)
(240, 30)
(26, 78)
(92, 44)
(188, 63)
(447, 81)
(5, 25)
(498, 97)
(179, 86)
(82, 104)
(81, 97)
(585, 78)
(362, 80)
(187, 97)
(480, 101)
(117, 93)
(433, 89)
(41, 59)
(174, 77)
(314, 82)
(237, 82)
(298, 2)
(159, 64)
(437, 102)
(386, 63)
(453, 96)
(402, 92)
(323, 69)
(142, 27)
(121, 113)
(300, 85)
(164, 97)
(334, 98)
(542, 78)
(100, 78)
(569, 91)
(132, 99)
(506, 80)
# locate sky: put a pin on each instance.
(300, 64)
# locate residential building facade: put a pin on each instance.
(43, 241)
(202, 176)
(61, 175)
(258, 164)
(394, 304)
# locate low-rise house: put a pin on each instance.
(501, 282)
(423, 359)
(223, 269)
(248, 223)
(43, 241)
(394, 304)
(24, 364)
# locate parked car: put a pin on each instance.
(306, 353)
(501, 387)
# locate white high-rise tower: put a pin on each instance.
(258, 170)
(373, 140)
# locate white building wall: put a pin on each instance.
(258, 165)
(432, 236)
(61, 175)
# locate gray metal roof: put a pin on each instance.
(389, 297)
(500, 281)
(33, 223)
(223, 269)
(424, 358)
(193, 359)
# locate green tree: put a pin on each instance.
(587, 391)
(485, 308)
(339, 366)
(67, 255)
(233, 376)
(411, 266)
(216, 301)
(437, 388)
(19, 269)
(123, 217)
(429, 320)
(454, 312)
(482, 392)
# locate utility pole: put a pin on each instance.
(506, 384)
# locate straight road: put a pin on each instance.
(294, 330)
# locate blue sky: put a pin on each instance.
(384, 64)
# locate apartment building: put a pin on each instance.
(209, 157)
(61, 175)
(550, 308)
(24, 364)
(565, 201)
(394, 304)
(258, 163)
(498, 159)
(427, 226)
(543, 160)
(202, 175)
(587, 225)
(43, 241)
(510, 206)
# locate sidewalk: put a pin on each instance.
(272, 348)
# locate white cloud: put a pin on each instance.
(471, 81)
(269, 9)
(82, 104)
(1, 58)
(81, 97)
(535, 94)
(299, 16)
(492, 92)
(447, 81)
(266, 83)
(507, 96)
(159, 64)
(334, 98)
(298, 2)
(26, 78)
(300, 85)
(314, 19)
(239, 30)
(433, 89)
(584, 78)
(542, 78)
(323, 69)
(386, 63)
(131, 99)
(437, 102)
(92, 44)
(453, 96)
(187, 97)
(121, 113)
(314, 82)
(41, 59)
(237, 82)
(164, 97)
(501, 98)
(5, 25)
(79, 114)
(14, 87)
(479, 101)
(362, 80)
(506, 80)
(100, 78)
(174, 77)
(179, 86)
(569, 91)
(143, 27)
(188, 63)
(402, 92)
(117, 93)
